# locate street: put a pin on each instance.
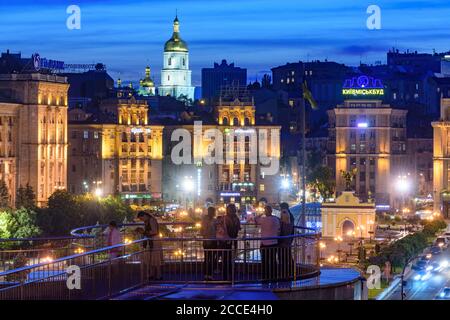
(425, 289)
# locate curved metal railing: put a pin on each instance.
(110, 270)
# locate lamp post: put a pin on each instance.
(403, 185)
(285, 184)
(188, 186)
(322, 247)
(371, 231)
(339, 239)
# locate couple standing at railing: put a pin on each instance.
(152, 253)
(276, 255)
(222, 228)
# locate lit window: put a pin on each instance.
(95, 134)
(86, 134)
(261, 187)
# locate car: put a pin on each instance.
(420, 265)
(444, 294)
(435, 250)
(422, 275)
(437, 266)
(447, 235)
(441, 242)
(426, 257)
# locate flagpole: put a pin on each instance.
(303, 115)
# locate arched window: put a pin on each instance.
(184, 61)
(170, 61)
(246, 121)
(225, 121)
(235, 122)
(168, 78)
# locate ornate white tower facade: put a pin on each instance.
(175, 75)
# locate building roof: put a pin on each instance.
(175, 43)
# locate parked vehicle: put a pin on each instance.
(420, 265)
(441, 242)
(435, 250)
(444, 294)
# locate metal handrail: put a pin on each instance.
(123, 245)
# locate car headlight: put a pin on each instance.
(417, 277)
(444, 264)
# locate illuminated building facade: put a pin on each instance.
(348, 217)
(441, 160)
(33, 133)
(116, 151)
(175, 75)
(369, 136)
(236, 179)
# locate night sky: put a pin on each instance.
(127, 35)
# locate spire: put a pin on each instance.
(176, 24)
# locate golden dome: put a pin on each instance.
(176, 43)
(147, 81)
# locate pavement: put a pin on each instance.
(248, 291)
(428, 289)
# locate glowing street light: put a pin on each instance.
(98, 192)
(403, 184)
(188, 184)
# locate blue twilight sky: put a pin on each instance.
(127, 35)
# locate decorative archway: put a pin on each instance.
(347, 226)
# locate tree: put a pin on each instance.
(4, 195)
(61, 215)
(322, 180)
(25, 197)
(18, 224)
(22, 224)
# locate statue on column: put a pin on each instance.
(348, 177)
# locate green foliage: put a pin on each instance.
(4, 195)
(18, 224)
(25, 197)
(66, 211)
(400, 251)
(322, 180)
(432, 227)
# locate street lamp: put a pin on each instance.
(338, 239)
(188, 186)
(285, 185)
(371, 224)
(322, 247)
(403, 186)
(98, 192)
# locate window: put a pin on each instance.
(184, 61)
(261, 187)
(170, 62)
(95, 134)
(85, 134)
